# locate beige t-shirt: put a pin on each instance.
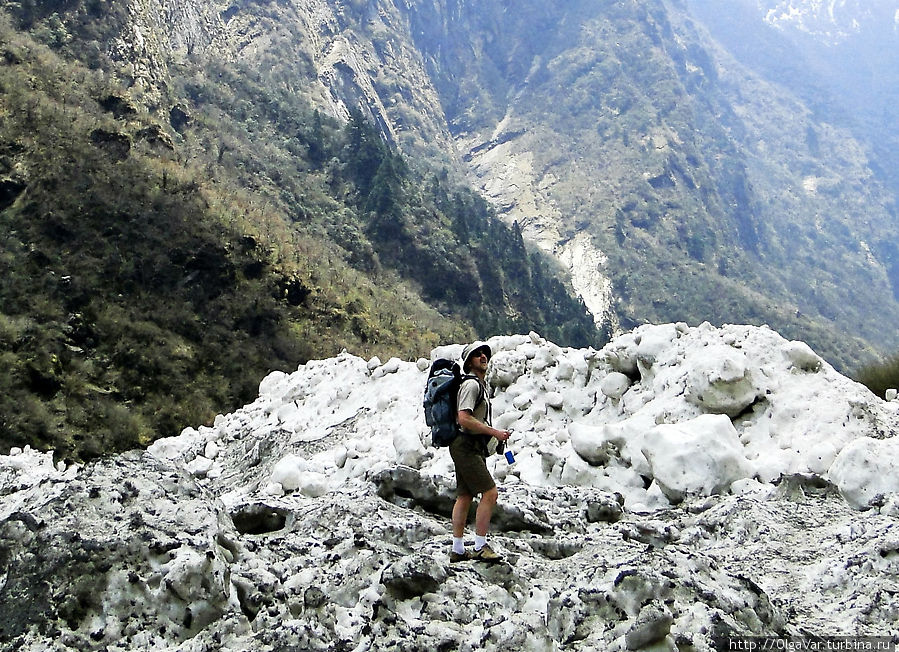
(470, 391)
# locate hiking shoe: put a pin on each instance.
(486, 554)
(457, 557)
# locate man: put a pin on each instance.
(469, 453)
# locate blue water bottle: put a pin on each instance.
(509, 457)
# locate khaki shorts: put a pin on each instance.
(472, 476)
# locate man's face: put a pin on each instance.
(479, 359)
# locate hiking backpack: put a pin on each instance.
(440, 400)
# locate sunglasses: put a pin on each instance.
(481, 352)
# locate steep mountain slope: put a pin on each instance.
(710, 192)
(671, 181)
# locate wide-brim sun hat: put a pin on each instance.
(471, 348)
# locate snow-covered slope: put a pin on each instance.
(678, 487)
(830, 20)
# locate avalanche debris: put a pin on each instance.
(676, 488)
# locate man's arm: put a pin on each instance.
(470, 424)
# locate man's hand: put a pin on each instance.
(470, 424)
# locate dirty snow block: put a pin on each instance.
(700, 456)
(409, 450)
(720, 382)
(801, 356)
(413, 576)
(652, 625)
(621, 354)
(865, 469)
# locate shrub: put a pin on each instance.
(880, 376)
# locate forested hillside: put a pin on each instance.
(154, 271)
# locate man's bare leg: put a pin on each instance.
(460, 514)
(485, 511)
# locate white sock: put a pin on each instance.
(479, 541)
(458, 545)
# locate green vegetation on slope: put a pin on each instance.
(155, 271)
(880, 376)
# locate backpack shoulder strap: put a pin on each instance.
(482, 395)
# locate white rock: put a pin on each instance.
(554, 400)
(211, 450)
(720, 382)
(578, 473)
(819, 457)
(177, 448)
(408, 446)
(543, 360)
(654, 343)
(522, 402)
(288, 472)
(506, 367)
(588, 442)
(565, 371)
(273, 489)
(269, 384)
(621, 354)
(313, 484)
(866, 468)
(701, 456)
(614, 385)
(891, 394)
(507, 419)
(751, 487)
(199, 466)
